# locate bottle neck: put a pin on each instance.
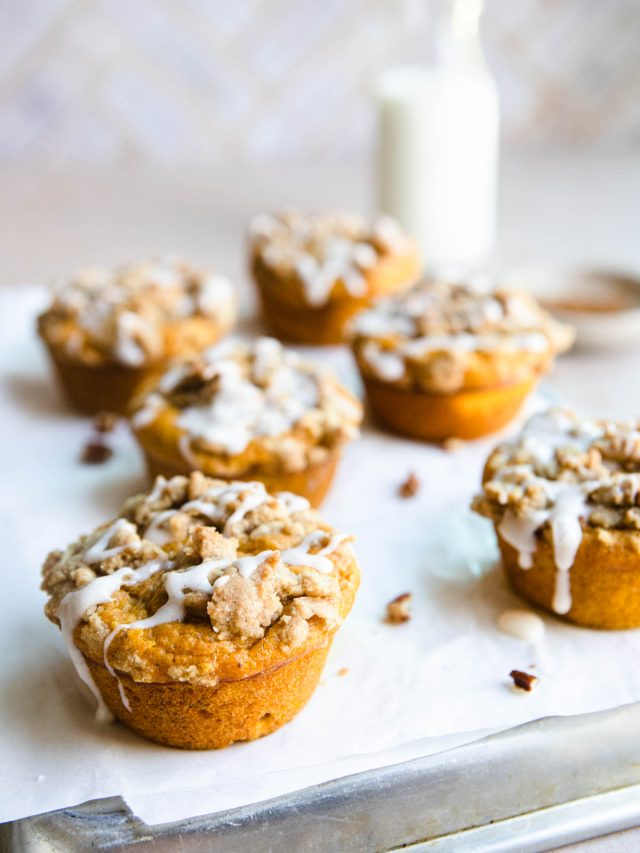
(459, 44)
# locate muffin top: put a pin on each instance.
(121, 316)
(442, 336)
(248, 401)
(563, 473)
(325, 252)
(200, 580)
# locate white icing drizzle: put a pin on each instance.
(184, 446)
(467, 342)
(158, 488)
(252, 494)
(216, 295)
(386, 365)
(156, 532)
(520, 532)
(300, 556)
(293, 502)
(76, 605)
(566, 530)
(144, 416)
(342, 260)
(100, 551)
(129, 328)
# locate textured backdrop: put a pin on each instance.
(173, 81)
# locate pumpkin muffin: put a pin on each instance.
(564, 496)
(249, 411)
(445, 360)
(313, 272)
(204, 613)
(109, 331)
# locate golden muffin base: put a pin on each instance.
(322, 326)
(311, 483)
(100, 388)
(293, 320)
(191, 716)
(436, 417)
(92, 388)
(605, 578)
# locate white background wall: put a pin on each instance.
(194, 81)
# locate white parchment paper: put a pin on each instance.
(409, 690)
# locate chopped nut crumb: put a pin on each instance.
(398, 610)
(410, 487)
(105, 422)
(523, 680)
(95, 453)
(343, 671)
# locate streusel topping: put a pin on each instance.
(193, 570)
(445, 326)
(320, 250)
(564, 474)
(121, 315)
(238, 393)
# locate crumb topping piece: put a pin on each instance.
(434, 330)
(239, 392)
(563, 473)
(196, 552)
(121, 315)
(320, 250)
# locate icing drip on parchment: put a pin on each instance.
(526, 626)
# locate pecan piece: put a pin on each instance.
(398, 610)
(410, 487)
(523, 680)
(95, 453)
(105, 422)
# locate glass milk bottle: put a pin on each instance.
(438, 127)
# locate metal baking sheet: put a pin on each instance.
(549, 782)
